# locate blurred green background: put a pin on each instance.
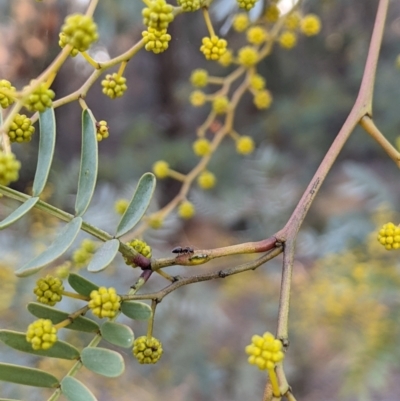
(344, 321)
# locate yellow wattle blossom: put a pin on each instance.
(288, 39)
(213, 48)
(262, 99)
(161, 169)
(245, 145)
(220, 104)
(199, 78)
(256, 35)
(186, 210)
(247, 56)
(257, 82)
(272, 13)
(197, 98)
(202, 147)
(310, 25)
(241, 22)
(206, 180)
(226, 59)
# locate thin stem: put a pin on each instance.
(368, 124)
(151, 322)
(207, 20)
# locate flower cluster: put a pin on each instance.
(21, 129)
(102, 130)
(6, 100)
(79, 31)
(389, 236)
(161, 169)
(189, 5)
(40, 99)
(147, 350)
(104, 302)
(186, 210)
(213, 47)
(49, 290)
(141, 247)
(121, 205)
(114, 85)
(158, 15)
(156, 40)
(84, 254)
(246, 4)
(265, 352)
(9, 168)
(41, 334)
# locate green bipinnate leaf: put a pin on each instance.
(138, 205)
(81, 285)
(136, 310)
(47, 142)
(62, 242)
(21, 211)
(27, 376)
(104, 256)
(17, 340)
(56, 316)
(117, 334)
(74, 390)
(103, 361)
(89, 163)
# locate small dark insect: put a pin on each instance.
(185, 250)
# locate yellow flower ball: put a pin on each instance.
(241, 22)
(272, 13)
(257, 82)
(220, 105)
(256, 35)
(202, 147)
(288, 39)
(226, 59)
(293, 21)
(186, 210)
(199, 78)
(161, 169)
(197, 98)
(213, 47)
(247, 56)
(121, 205)
(206, 180)
(310, 25)
(245, 145)
(262, 99)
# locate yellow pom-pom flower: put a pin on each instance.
(40, 99)
(262, 99)
(49, 290)
(256, 35)
(288, 39)
(121, 205)
(155, 40)
(104, 302)
(202, 147)
(265, 352)
(139, 246)
(6, 100)
(41, 334)
(189, 5)
(186, 210)
(79, 31)
(246, 4)
(248, 56)
(158, 15)
(199, 78)
(147, 350)
(272, 13)
(9, 168)
(257, 82)
(161, 169)
(155, 222)
(241, 22)
(206, 180)
(245, 145)
(213, 48)
(114, 85)
(102, 130)
(84, 254)
(310, 25)
(220, 104)
(226, 59)
(292, 21)
(21, 129)
(197, 98)
(389, 236)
